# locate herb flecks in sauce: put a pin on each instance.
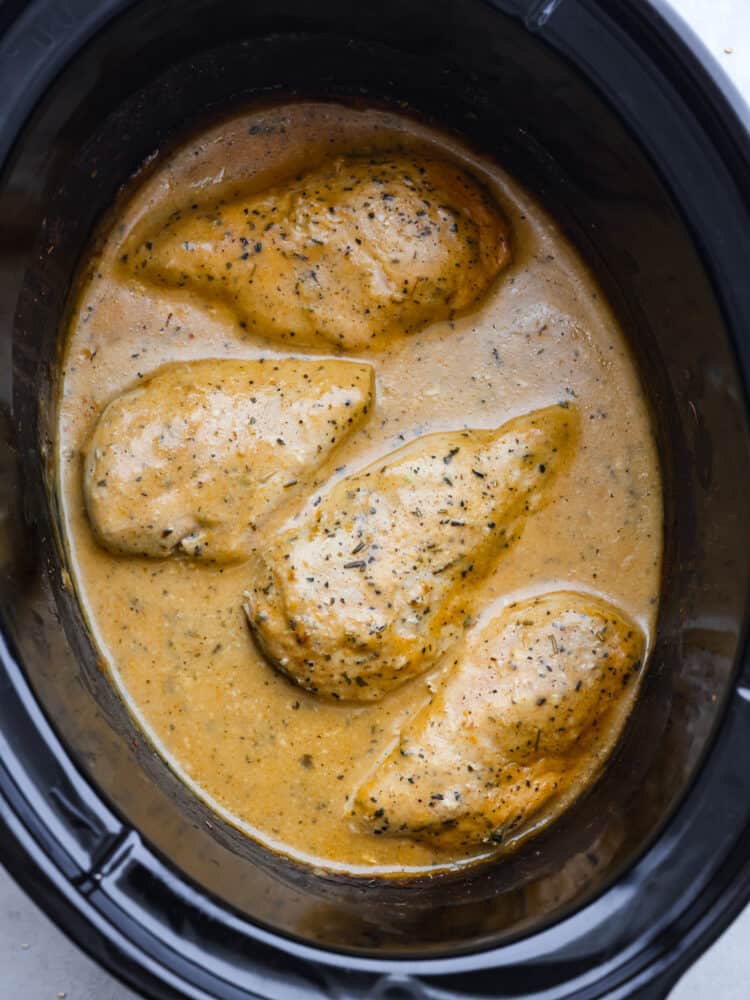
(226, 721)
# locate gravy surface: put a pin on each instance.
(275, 760)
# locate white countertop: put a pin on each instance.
(37, 962)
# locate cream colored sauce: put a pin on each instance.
(274, 760)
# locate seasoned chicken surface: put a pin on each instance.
(376, 578)
(526, 715)
(192, 458)
(351, 253)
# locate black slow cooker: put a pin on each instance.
(603, 110)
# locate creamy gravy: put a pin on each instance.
(274, 760)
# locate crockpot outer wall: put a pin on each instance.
(97, 875)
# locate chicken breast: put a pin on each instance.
(193, 458)
(522, 725)
(351, 253)
(375, 579)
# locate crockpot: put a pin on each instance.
(607, 115)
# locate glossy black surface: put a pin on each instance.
(609, 120)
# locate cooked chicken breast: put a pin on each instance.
(375, 579)
(192, 458)
(523, 722)
(350, 253)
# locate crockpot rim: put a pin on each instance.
(47, 883)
